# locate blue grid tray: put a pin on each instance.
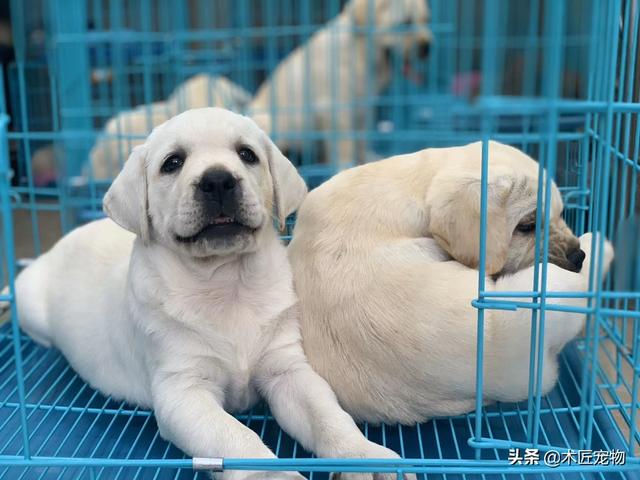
(68, 419)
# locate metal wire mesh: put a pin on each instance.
(554, 78)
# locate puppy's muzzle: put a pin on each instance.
(218, 186)
(576, 257)
(567, 254)
(219, 193)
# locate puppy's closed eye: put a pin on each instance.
(527, 224)
(526, 227)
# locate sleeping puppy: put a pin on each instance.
(322, 84)
(129, 128)
(385, 260)
(187, 307)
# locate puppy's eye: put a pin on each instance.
(247, 155)
(526, 227)
(172, 163)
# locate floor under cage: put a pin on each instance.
(67, 419)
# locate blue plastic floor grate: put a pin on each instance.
(68, 419)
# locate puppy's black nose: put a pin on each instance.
(217, 184)
(576, 257)
(424, 49)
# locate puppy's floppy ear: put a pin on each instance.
(454, 219)
(289, 189)
(126, 201)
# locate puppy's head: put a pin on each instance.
(512, 189)
(205, 182)
(402, 25)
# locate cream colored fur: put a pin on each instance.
(385, 261)
(130, 128)
(320, 85)
(198, 329)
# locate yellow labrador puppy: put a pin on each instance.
(384, 258)
(321, 84)
(187, 306)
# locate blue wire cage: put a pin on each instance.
(556, 78)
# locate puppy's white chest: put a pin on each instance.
(240, 393)
(236, 338)
(245, 347)
(228, 328)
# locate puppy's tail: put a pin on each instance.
(30, 297)
(5, 305)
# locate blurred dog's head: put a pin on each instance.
(397, 26)
(453, 200)
(120, 135)
(205, 182)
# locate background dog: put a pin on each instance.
(384, 258)
(130, 128)
(189, 308)
(322, 84)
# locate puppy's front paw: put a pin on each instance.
(607, 252)
(373, 450)
(274, 476)
(370, 476)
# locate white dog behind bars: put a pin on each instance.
(189, 309)
(385, 260)
(321, 85)
(129, 128)
(315, 88)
